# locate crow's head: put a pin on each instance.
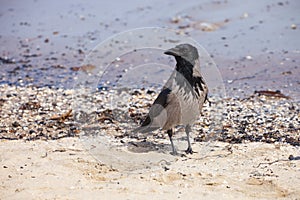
(185, 52)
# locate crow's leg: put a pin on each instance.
(170, 134)
(188, 129)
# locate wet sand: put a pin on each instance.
(254, 44)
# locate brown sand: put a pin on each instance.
(62, 169)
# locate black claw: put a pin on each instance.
(189, 150)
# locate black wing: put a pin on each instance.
(159, 104)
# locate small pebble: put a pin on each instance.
(293, 26)
(248, 57)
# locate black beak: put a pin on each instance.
(173, 51)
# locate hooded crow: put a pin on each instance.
(182, 97)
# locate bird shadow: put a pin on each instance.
(147, 146)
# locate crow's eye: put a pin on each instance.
(184, 51)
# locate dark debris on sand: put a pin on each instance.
(31, 113)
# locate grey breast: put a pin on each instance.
(184, 104)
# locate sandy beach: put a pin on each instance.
(60, 140)
(44, 157)
(64, 170)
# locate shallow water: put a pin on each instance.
(255, 44)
